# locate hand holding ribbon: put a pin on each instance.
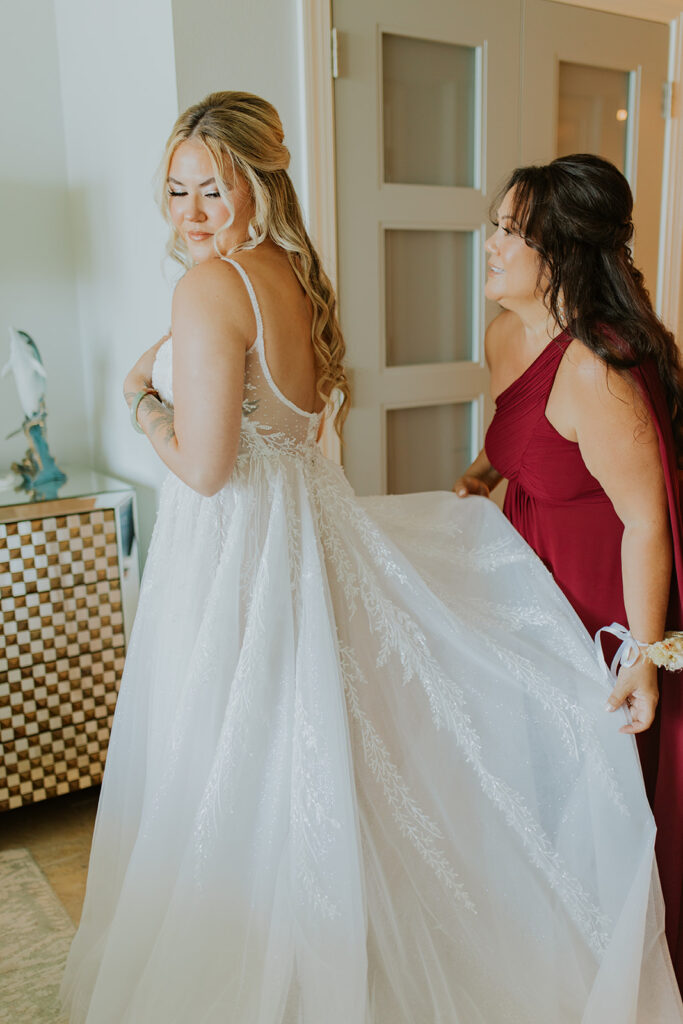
(636, 684)
(628, 652)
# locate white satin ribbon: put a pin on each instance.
(627, 653)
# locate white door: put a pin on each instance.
(593, 83)
(426, 109)
(427, 127)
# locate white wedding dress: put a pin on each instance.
(361, 770)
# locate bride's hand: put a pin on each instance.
(637, 688)
(465, 485)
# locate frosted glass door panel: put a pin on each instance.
(426, 116)
(430, 296)
(429, 111)
(428, 447)
(594, 112)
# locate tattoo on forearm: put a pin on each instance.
(160, 419)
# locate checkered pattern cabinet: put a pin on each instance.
(69, 580)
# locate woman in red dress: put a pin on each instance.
(587, 429)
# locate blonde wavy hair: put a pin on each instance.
(243, 132)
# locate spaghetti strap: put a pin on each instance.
(259, 347)
(252, 296)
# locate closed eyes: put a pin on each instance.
(207, 195)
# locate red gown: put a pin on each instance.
(565, 516)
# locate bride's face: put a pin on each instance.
(194, 203)
(513, 266)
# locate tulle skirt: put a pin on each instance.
(361, 773)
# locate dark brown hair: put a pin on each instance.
(576, 212)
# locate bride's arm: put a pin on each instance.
(212, 326)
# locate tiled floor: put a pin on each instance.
(57, 833)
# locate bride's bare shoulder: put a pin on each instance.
(214, 291)
(214, 286)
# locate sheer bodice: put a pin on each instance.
(269, 419)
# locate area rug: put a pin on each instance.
(35, 935)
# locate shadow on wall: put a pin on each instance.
(38, 295)
(29, 253)
(147, 500)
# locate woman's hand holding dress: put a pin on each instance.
(601, 409)
(637, 687)
(480, 478)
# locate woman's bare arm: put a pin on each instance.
(481, 477)
(619, 446)
(212, 326)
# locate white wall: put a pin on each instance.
(37, 284)
(119, 96)
(247, 45)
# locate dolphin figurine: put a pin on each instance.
(29, 373)
(38, 472)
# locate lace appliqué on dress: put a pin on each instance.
(314, 829)
(413, 823)
(398, 634)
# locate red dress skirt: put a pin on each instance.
(565, 516)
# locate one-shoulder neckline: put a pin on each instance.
(533, 365)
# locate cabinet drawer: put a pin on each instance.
(46, 697)
(35, 767)
(69, 578)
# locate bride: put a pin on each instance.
(360, 770)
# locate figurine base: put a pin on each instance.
(38, 472)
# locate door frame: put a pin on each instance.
(317, 90)
(670, 282)
(318, 108)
